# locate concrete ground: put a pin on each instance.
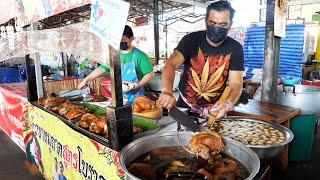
(12, 161)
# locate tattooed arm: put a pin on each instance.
(166, 99)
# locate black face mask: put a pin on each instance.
(216, 34)
(124, 45)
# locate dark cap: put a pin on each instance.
(128, 31)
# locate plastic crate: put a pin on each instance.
(303, 129)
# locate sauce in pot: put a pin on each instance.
(157, 163)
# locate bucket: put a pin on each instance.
(105, 84)
(300, 147)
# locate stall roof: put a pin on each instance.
(139, 9)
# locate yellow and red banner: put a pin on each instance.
(13, 113)
(61, 152)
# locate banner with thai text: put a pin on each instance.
(62, 153)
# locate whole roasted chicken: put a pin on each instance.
(206, 143)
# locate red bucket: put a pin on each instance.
(310, 83)
(105, 84)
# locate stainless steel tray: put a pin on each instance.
(79, 98)
(265, 151)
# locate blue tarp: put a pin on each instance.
(291, 50)
(9, 75)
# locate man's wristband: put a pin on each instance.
(167, 92)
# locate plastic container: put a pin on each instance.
(300, 147)
(105, 83)
(315, 82)
(290, 80)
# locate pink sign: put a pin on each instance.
(32, 11)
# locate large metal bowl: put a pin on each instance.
(145, 144)
(265, 151)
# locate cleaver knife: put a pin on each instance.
(183, 119)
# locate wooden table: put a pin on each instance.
(269, 112)
(251, 88)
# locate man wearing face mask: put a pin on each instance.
(136, 67)
(210, 59)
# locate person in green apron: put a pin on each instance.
(136, 67)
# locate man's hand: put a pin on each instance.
(135, 86)
(222, 109)
(83, 83)
(94, 74)
(166, 100)
(219, 111)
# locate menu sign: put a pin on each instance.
(108, 18)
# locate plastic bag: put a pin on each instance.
(257, 75)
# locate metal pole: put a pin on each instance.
(271, 57)
(156, 30)
(39, 80)
(119, 117)
(38, 72)
(260, 12)
(31, 82)
(116, 80)
(65, 63)
(166, 30)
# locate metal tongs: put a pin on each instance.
(66, 92)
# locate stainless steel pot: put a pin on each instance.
(155, 82)
(306, 98)
(145, 144)
(265, 151)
